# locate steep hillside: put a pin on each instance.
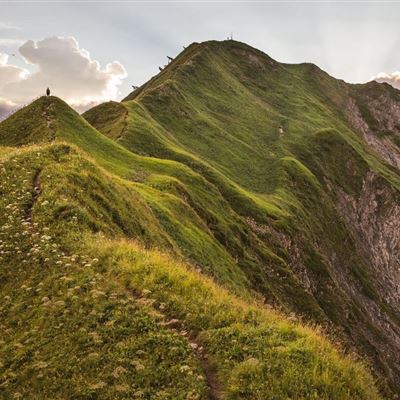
(32, 124)
(88, 314)
(143, 245)
(374, 110)
(297, 157)
(192, 215)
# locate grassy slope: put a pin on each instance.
(268, 136)
(191, 203)
(198, 222)
(164, 187)
(84, 316)
(30, 125)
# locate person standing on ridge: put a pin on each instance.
(47, 92)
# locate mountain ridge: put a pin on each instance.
(252, 173)
(341, 105)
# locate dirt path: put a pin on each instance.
(49, 121)
(176, 325)
(210, 373)
(36, 190)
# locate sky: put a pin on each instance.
(90, 51)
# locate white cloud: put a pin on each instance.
(9, 27)
(62, 65)
(9, 74)
(9, 42)
(6, 108)
(393, 78)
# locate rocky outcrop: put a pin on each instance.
(378, 121)
(373, 218)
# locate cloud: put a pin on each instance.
(9, 27)
(10, 73)
(9, 42)
(6, 108)
(393, 78)
(67, 69)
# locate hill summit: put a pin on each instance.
(166, 243)
(45, 120)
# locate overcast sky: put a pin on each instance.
(90, 52)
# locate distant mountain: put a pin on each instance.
(144, 243)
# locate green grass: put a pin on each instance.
(271, 138)
(111, 116)
(225, 163)
(87, 317)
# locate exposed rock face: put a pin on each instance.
(374, 219)
(294, 256)
(383, 128)
(372, 216)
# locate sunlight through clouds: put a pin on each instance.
(393, 78)
(63, 66)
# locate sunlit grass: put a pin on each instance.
(85, 316)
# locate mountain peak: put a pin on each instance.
(31, 124)
(265, 176)
(198, 55)
(38, 122)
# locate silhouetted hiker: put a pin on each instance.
(47, 92)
